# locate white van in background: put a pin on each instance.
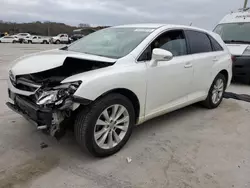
(234, 29)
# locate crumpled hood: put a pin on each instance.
(237, 49)
(50, 59)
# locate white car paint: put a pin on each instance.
(8, 39)
(50, 59)
(240, 16)
(37, 39)
(237, 49)
(162, 88)
(62, 38)
(22, 35)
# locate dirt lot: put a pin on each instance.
(190, 148)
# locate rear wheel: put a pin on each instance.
(14, 41)
(58, 42)
(216, 92)
(30, 42)
(104, 127)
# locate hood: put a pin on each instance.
(237, 49)
(50, 59)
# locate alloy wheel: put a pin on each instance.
(111, 126)
(217, 91)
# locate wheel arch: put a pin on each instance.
(130, 95)
(225, 73)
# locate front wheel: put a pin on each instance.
(105, 126)
(216, 92)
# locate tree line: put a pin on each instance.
(41, 28)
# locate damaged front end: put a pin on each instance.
(48, 107)
(44, 100)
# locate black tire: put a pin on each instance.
(30, 42)
(87, 117)
(58, 42)
(208, 103)
(14, 42)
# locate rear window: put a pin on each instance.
(215, 44)
(198, 42)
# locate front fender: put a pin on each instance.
(98, 82)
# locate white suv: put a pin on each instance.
(117, 77)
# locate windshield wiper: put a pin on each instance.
(237, 41)
(64, 48)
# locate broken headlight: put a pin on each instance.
(56, 95)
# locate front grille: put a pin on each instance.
(26, 85)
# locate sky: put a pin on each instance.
(201, 13)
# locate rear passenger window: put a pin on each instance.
(198, 42)
(215, 44)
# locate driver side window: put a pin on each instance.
(173, 41)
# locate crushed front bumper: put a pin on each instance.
(33, 113)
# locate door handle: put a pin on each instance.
(188, 65)
(215, 59)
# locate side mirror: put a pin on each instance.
(161, 55)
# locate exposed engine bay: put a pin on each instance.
(51, 101)
(71, 66)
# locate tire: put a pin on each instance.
(14, 42)
(58, 42)
(209, 102)
(30, 42)
(85, 125)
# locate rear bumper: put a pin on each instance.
(35, 114)
(241, 68)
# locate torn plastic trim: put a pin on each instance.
(81, 100)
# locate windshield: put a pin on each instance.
(234, 32)
(111, 42)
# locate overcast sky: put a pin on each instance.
(202, 13)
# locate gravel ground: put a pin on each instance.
(189, 148)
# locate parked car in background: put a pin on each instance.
(117, 77)
(22, 36)
(76, 37)
(61, 39)
(37, 40)
(9, 39)
(234, 29)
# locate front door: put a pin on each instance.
(169, 82)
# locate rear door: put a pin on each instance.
(35, 39)
(204, 58)
(39, 40)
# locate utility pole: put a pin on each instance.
(245, 4)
